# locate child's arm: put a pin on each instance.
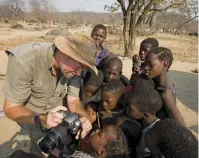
(170, 105)
(124, 80)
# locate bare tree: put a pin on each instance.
(135, 13)
(5, 12)
(189, 11)
(41, 9)
(17, 7)
(48, 9)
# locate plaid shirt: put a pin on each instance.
(79, 154)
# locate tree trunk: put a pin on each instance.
(125, 35)
(152, 22)
(131, 41)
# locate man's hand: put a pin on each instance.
(53, 118)
(86, 127)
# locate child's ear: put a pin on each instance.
(102, 152)
(93, 113)
(166, 63)
(146, 115)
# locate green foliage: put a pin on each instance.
(112, 8)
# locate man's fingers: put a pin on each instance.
(78, 135)
(56, 120)
(63, 108)
(51, 125)
(57, 115)
(86, 126)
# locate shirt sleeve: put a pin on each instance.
(74, 86)
(17, 83)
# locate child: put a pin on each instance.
(146, 46)
(132, 130)
(90, 90)
(110, 106)
(99, 34)
(157, 64)
(113, 71)
(91, 109)
(108, 142)
(169, 139)
(143, 104)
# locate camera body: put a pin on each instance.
(61, 135)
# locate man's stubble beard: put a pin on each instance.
(67, 75)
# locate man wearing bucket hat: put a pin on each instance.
(41, 80)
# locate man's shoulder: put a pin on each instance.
(25, 49)
(28, 55)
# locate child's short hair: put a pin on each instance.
(148, 101)
(93, 105)
(145, 96)
(117, 146)
(114, 86)
(175, 141)
(154, 42)
(131, 129)
(164, 54)
(92, 79)
(100, 26)
(114, 60)
(141, 83)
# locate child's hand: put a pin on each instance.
(135, 58)
(136, 64)
(135, 69)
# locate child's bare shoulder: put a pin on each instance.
(169, 83)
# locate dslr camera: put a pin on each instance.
(61, 137)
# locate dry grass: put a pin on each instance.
(184, 47)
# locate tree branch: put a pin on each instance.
(121, 2)
(166, 8)
(145, 10)
(185, 23)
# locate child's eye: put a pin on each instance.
(150, 65)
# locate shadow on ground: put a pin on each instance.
(6, 147)
(187, 88)
(194, 128)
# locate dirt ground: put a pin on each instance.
(185, 61)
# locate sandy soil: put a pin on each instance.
(186, 82)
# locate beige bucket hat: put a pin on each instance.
(80, 48)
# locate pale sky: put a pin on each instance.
(82, 5)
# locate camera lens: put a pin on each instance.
(49, 142)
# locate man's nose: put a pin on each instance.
(78, 70)
(105, 103)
